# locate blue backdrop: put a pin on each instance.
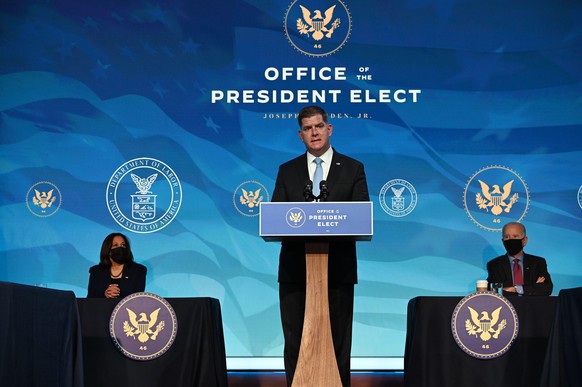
(467, 114)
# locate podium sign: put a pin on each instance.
(280, 220)
(316, 223)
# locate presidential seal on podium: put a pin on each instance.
(143, 326)
(484, 325)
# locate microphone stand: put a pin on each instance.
(323, 191)
(308, 191)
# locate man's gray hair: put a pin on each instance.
(512, 223)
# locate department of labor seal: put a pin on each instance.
(484, 325)
(317, 28)
(580, 196)
(143, 326)
(144, 195)
(398, 198)
(494, 196)
(43, 199)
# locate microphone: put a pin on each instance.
(323, 190)
(308, 190)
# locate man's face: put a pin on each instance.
(315, 134)
(514, 231)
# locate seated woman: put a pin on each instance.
(116, 275)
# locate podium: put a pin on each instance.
(316, 223)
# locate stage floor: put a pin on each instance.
(277, 379)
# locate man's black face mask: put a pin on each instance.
(513, 246)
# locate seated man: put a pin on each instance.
(521, 273)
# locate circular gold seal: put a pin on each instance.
(484, 325)
(317, 28)
(44, 199)
(143, 326)
(248, 196)
(494, 196)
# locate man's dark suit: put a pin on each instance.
(347, 182)
(500, 270)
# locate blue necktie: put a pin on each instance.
(317, 176)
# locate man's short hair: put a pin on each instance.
(311, 111)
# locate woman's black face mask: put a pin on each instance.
(120, 255)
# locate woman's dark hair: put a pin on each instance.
(106, 248)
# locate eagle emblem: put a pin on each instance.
(144, 185)
(484, 326)
(251, 198)
(43, 199)
(496, 199)
(398, 192)
(142, 327)
(317, 24)
(295, 217)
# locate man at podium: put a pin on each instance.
(298, 180)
